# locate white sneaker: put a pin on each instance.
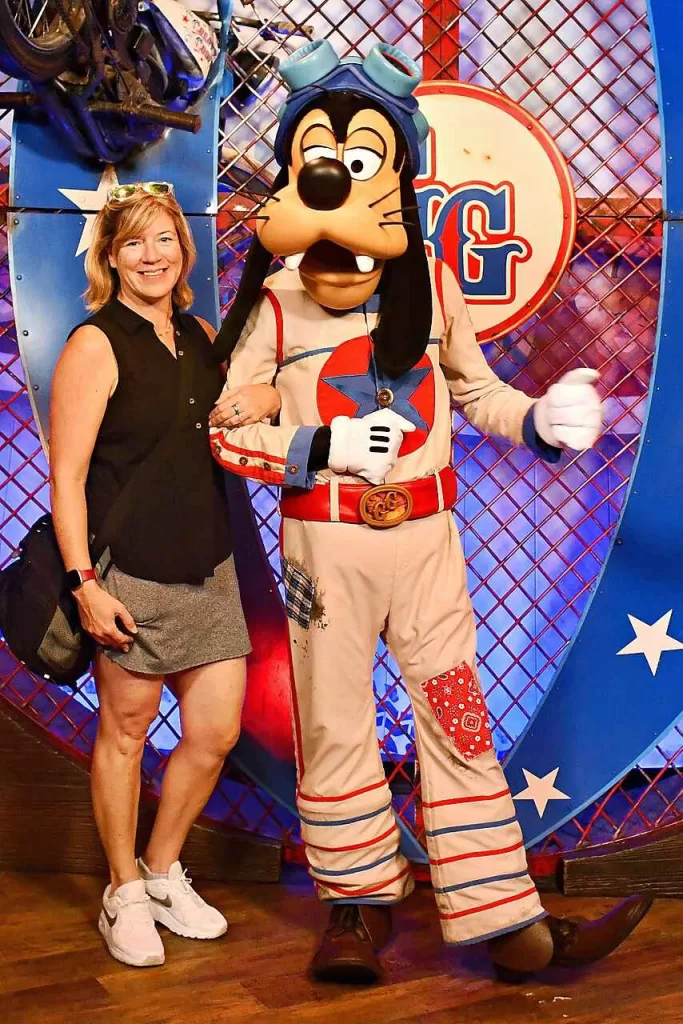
(175, 904)
(127, 926)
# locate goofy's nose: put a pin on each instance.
(324, 184)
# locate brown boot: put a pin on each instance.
(574, 942)
(577, 941)
(348, 951)
(519, 954)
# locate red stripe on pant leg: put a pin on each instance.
(295, 715)
(359, 892)
(299, 750)
(466, 799)
(355, 846)
(478, 853)
(344, 796)
(489, 906)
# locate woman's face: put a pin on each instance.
(149, 265)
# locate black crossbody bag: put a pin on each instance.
(38, 613)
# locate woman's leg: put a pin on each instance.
(210, 698)
(128, 705)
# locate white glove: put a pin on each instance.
(367, 447)
(570, 412)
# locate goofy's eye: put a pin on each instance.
(316, 152)
(362, 163)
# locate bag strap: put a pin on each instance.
(114, 518)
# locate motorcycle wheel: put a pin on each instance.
(37, 38)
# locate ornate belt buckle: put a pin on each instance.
(385, 506)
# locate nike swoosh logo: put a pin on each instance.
(111, 920)
(166, 902)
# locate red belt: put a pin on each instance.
(383, 506)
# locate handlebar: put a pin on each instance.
(147, 112)
(14, 100)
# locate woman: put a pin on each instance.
(137, 372)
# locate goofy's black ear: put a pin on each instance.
(256, 267)
(405, 306)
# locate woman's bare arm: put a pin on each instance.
(209, 328)
(85, 378)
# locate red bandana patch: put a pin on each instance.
(457, 702)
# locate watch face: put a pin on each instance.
(73, 579)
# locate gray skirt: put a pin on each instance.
(180, 625)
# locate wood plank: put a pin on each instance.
(84, 996)
(57, 970)
(651, 863)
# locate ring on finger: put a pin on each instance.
(236, 410)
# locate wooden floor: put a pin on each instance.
(54, 967)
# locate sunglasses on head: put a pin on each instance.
(119, 193)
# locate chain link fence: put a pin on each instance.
(535, 536)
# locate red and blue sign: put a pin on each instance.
(496, 203)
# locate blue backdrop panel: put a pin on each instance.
(41, 164)
(48, 280)
(619, 688)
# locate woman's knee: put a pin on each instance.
(127, 728)
(212, 742)
(128, 702)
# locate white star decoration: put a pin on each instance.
(652, 640)
(541, 790)
(91, 201)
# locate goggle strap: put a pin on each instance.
(387, 67)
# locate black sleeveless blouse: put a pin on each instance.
(178, 528)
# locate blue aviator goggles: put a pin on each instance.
(387, 76)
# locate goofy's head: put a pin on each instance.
(343, 211)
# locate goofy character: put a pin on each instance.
(368, 341)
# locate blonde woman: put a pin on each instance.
(137, 371)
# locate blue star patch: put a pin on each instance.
(362, 389)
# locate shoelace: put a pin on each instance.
(134, 906)
(185, 883)
(346, 919)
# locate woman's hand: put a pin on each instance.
(239, 407)
(98, 611)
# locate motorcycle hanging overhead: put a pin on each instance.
(111, 75)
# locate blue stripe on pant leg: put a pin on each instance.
(470, 828)
(344, 821)
(354, 871)
(495, 934)
(481, 881)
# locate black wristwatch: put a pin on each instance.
(75, 578)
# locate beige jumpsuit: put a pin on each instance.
(348, 582)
